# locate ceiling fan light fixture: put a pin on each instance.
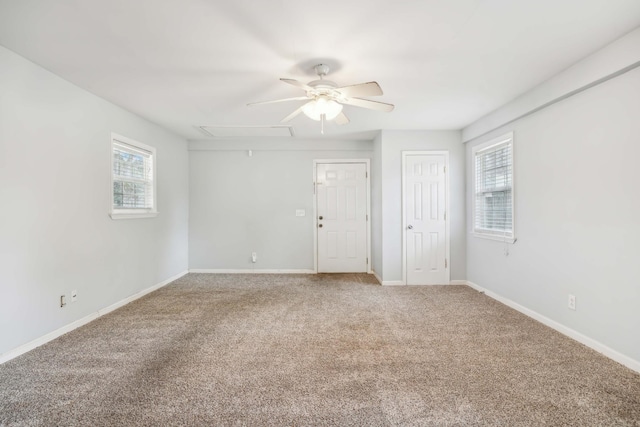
(322, 105)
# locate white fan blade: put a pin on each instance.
(341, 119)
(365, 103)
(297, 84)
(295, 113)
(362, 89)
(299, 98)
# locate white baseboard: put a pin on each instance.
(401, 283)
(12, 354)
(249, 271)
(571, 333)
(388, 282)
(140, 294)
(393, 283)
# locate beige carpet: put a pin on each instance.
(296, 350)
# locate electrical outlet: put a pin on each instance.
(74, 296)
(63, 300)
(254, 257)
(572, 302)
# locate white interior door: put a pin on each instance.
(425, 219)
(341, 217)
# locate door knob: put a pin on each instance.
(319, 225)
(410, 227)
(320, 217)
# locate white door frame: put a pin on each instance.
(315, 208)
(445, 153)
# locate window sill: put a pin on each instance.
(495, 237)
(132, 215)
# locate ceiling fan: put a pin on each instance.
(325, 98)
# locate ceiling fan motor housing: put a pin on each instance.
(325, 88)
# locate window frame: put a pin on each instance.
(499, 236)
(116, 213)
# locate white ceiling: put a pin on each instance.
(182, 64)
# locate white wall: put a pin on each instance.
(241, 204)
(577, 215)
(55, 234)
(376, 207)
(394, 142)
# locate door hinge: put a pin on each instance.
(444, 169)
(366, 174)
(367, 261)
(367, 217)
(445, 263)
(445, 216)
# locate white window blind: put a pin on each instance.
(133, 174)
(493, 213)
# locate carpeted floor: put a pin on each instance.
(297, 350)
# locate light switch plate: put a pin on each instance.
(300, 212)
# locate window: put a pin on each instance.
(493, 182)
(133, 189)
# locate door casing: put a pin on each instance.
(315, 207)
(405, 154)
